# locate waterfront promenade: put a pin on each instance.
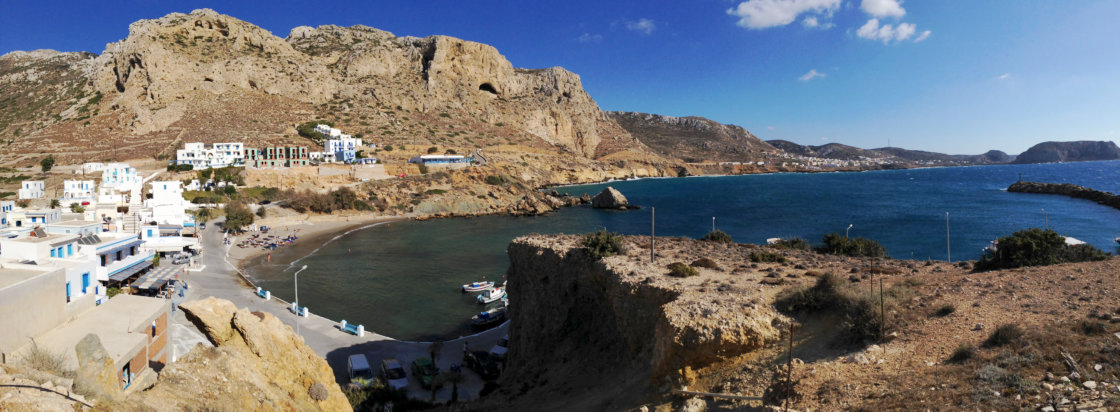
(221, 279)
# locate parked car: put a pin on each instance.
(358, 368)
(202, 225)
(482, 363)
(425, 371)
(264, 202)
(181, 259)
(394, 375)
(499, 350)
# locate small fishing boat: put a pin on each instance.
(1118, 240)
(477, 286)
(491, 295)
(489, 317)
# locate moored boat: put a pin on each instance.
(489, 317)
(491, 295)
(477, 286)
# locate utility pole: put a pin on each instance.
(652, 256)
(948, 251)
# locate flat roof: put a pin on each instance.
(11, 276)
(122, 324)
(54, 237)
(73, 223)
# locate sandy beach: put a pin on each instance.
(306, 228)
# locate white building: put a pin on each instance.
(115, 256)
(119, 183)
(167, 205)
(32, 218)
(78, 191)
(327, 131)
(74, 227)
(202, 156)
(6, 206)
(32, 189)
(92, 167)
(54, 250)
(168, 239)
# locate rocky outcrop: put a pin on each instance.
(610, 198)
(96, 374)
(1051, 152)
(622, 317)
(1067, 189)
(694, 138)
(257, 363)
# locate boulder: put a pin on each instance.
(610, 198)
(213, 317)
(96, 375)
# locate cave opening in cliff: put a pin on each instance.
(487, 87)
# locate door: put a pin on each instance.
(85, 282)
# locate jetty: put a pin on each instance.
(1067, 189)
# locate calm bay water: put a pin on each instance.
(402, 279)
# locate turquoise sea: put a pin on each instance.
(402, 279)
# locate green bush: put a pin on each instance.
(47, 163)
(963, 353)
(388, 148)
(4, 195)
(238, 216)
(836, 244)
(494, 180)
(945, 310)
(602, 244)
(767, 257)
(718, 236)
(681, 270)
(705, 263)
(792, 243)
(432, 149)
(77, 208)
(180, 168)
(1003, 335)
(1036, 247)
(859, 311)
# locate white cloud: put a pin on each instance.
(812, 22)
(888, 33)
(1004, 76)
(771, 128)
(761, 14)
(923, 36)
(812, 74)
(883, 8)
(590, 38)
(644, 26)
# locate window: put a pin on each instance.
(119, 255)
(67, 291)
(104, 260)
(70, 249)
(149, 232)
(53, 253)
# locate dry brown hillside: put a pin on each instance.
(208, 77)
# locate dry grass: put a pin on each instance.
(45, 360)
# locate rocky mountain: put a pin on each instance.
(1079, 151)
(693, 138)
(208, 77)
(991, 156)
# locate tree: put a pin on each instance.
(47, 163)
(1036, 247)
(55, 204)
(77, 208)
(718, 236)
(432, 149)
(836, 244)
(238, 216)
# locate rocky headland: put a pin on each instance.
(1079, 151)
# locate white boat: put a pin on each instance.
(491, 295)
(477, 286)
(488, 317)
(1118, 240)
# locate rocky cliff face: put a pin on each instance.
(617, 327)
(1051, 152)
(693, 138)
(206, 76)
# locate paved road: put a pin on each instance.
(220, 279)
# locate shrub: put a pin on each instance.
(718, 236)
(112, 291)
(602, 244)
(836, 244)
(860, 312)
(238, 216)
(1092, 327)
(180, 168)
(1036, 247)
(423, 169)
(705, 263)
(945, 310)
(964, 352)
(792, 243)
(262, 212)
(768, 257)
(388, 148)
(6, 194)
(681, 270)
(44, 359)
(1003, 335)
(494, 180)
(432, 149)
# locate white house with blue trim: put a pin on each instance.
(55, 250)
(6, 206)
(116, 256)
(32, 189)
(167, 205)
(119, 183)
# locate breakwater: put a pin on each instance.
(1067, 189)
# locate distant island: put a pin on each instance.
(1079, 151)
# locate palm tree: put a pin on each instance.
(55, 204)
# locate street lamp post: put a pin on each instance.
(846, 231)
(297, 298)
(948, 251)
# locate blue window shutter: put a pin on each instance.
(67, 290)
(52, 253)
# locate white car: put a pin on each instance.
(499, 349)
(394, 374)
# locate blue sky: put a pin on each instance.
(955, 76)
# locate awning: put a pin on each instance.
(156, 279)
(129, 271)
